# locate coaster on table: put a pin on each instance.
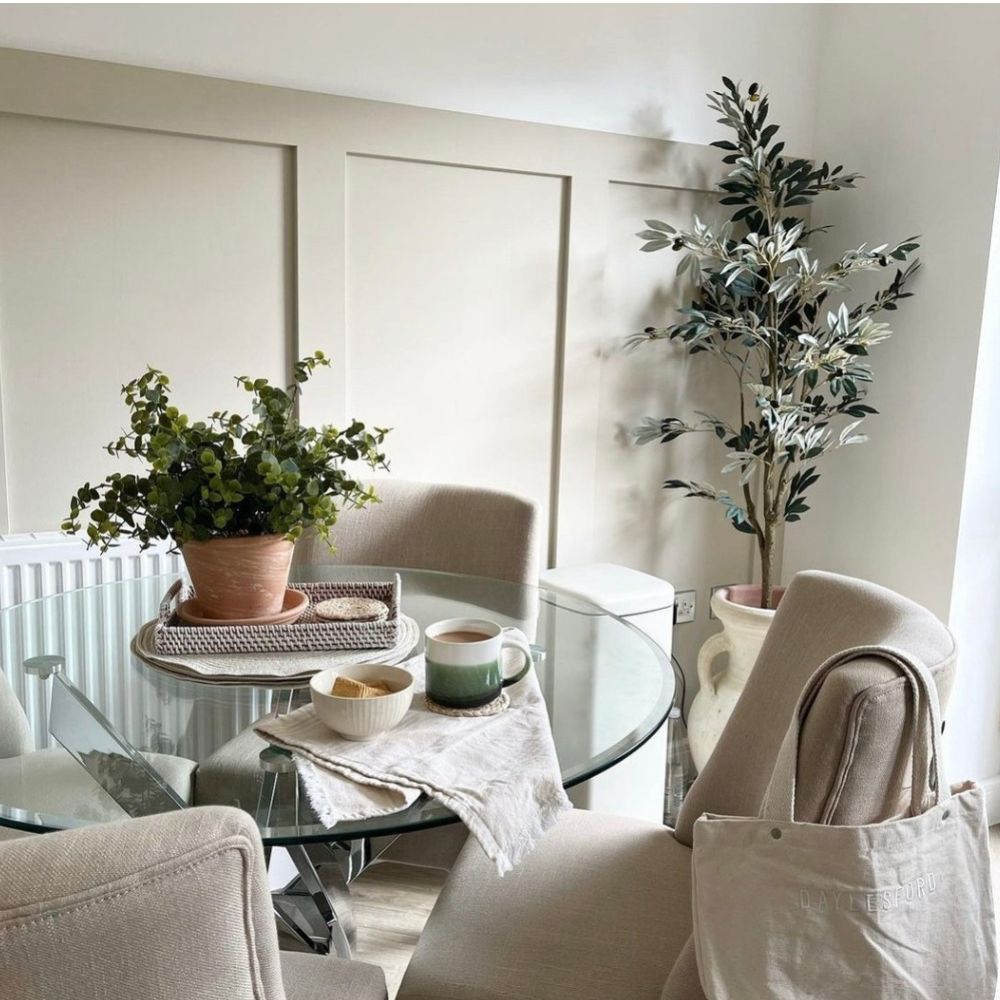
(351, 609)
(495, 707)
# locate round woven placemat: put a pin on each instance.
(495, 707)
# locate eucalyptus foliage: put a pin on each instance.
(229, 475)
(766, 308)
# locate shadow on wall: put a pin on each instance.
(650, 119)
(640, 524)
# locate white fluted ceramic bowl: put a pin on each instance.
(362, 718)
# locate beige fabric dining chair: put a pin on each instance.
(171, 907)
(433, 526)
(602, 908)
(15, 735)
(15, 731)
(430, 526)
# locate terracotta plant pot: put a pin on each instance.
(243, 577)
(744, 626)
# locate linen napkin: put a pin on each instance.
(499, 774)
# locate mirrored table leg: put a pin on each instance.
(279, 786)
(326, 890)
(315, 887)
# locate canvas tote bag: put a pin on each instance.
(900, 910)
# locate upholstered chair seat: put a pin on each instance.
(51, 781)
(599, 910)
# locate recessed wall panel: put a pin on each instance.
(637, 522)
(121, 248)
(452, 292)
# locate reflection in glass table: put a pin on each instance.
(110, 736)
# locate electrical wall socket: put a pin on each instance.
(685, 604)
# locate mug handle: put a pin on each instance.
(516, 639)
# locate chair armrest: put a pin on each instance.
(171, 907)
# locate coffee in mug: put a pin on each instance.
(461, 637)
(463, 660)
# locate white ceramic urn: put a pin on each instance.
(744, 625)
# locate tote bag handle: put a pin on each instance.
(779, 800)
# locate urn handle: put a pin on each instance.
(713, 646)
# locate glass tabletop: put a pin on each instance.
(110, 736)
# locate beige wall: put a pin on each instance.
(473, 279)
(636, 69)
(122, 248)
(452, 318)
(641, 524)
(893, 510)
(216, 221)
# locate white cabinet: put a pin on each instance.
(633, 787)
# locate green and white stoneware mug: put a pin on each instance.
(464, 661)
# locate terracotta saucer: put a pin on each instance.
(296, 601)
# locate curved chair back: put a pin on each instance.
(854, 765)
(15, 732)
(175, 905)
(452, 529)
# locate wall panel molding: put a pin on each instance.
(325, 137)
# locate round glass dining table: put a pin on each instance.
(109, 735)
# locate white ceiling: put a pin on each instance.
(634, 68)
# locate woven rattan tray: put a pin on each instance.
(308, 633)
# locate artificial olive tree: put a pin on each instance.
(764, 306)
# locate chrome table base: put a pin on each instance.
(315, 907)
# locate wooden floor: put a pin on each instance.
(391, 905)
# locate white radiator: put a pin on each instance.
(44, 563)
(93, 629)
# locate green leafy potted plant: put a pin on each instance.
(766, 309)
(232, 492)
